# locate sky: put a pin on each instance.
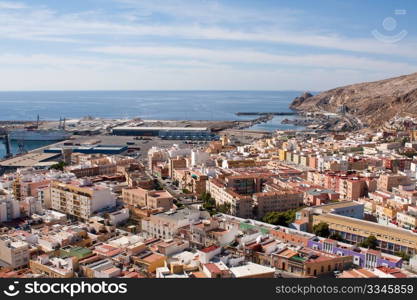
(204, 45)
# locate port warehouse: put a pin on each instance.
(101, 149)
(169, 133)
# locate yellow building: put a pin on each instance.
(151, 261)
(391, 240)
(282, 154)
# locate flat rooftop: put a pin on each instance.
(161, 128)
(251, 269)
(370, 226)
(28, 160)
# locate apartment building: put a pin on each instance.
(151, 199)
(176, 163)
(80, 199)
(9, 208)
(407, 219)
(350, 187)
(277, 201)
(240, 205)
(165, 225)
(388, 181)
(14, 253)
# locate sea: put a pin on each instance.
(148, 105)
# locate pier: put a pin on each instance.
(266, 113)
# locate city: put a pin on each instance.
(269, 145)
(195, 204)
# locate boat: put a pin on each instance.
(39, 135)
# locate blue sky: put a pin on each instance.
(204, 45)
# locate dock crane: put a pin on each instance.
(4, 135)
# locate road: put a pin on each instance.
(184, 199)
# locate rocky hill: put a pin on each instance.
(373, 103)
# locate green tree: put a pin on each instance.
(280, 218)
(403, 255)
(224, 208)
(321, 229)
(370, 242)
(336, 236)
(209, 203)
(59, 166)
(205, 196)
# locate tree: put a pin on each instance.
(370, 242)
(209, 203)
(336, 236)
(205, 197)
(280, 218)
(59, 166)
(321, 229)
(403, 255)
(224, 208)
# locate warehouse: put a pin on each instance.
(172, 133)
(100, 149)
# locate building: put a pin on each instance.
(239, 205)
(150, 261)
(407, 219)
(388, 181)
(53, 267)
(80, 199)
(9, 209)
(166, 225)
(151, 199)
(365, 258)
(252, 270)
(351, 209)
(279, 201)
(354, 231)
(172, 133)
(308, 262)
(13, 253)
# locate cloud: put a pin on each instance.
(11, 5)
(210, 11)
(216, 46)
(48, 25)
(227, 56)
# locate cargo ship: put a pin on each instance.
(39, 135)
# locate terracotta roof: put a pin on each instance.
(209, 249)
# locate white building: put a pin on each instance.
(119, 216)
(165, 225)
(80, 200)
(9, 208)
(13, 253)
(199, 157)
